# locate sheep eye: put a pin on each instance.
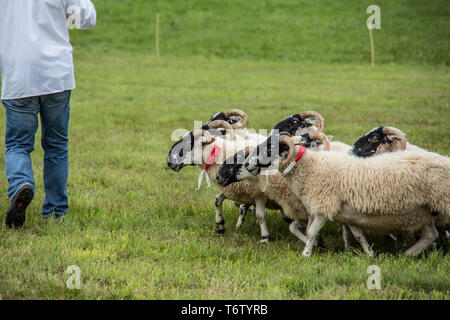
(373, 139)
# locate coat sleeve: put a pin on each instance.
(82, 12)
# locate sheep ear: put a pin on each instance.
(330, 138)
(391, 137)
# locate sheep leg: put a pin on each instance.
(293, 227)
(362, 240)
(243, 209)
(319, 241)
(443, 238)
(346, 237)
(260, 212)
(220, 222)
(310, 221)
(428, 235)
(285, 217)
(312, 233)
(401, 241)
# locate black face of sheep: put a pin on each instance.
(300, 121)
(181, 149)
(265, 156)
(367, 145)
(221, 116)
(292, 124)
(230, 170)
(306, 141)
(232, 117)
(241, 165)
(177, 153)
(182, 153)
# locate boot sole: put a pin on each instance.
(15, 216)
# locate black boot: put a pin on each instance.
(15, 216)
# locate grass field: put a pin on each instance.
(412, 31)
(137, 230)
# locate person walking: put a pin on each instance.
(37, 75)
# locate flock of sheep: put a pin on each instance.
(382, 184)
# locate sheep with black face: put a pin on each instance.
(387, 193)
(381, 140)
(273, 185)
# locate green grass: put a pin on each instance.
(138, 230)
(279, 30)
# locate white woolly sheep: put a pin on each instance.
(390, 192)
(381, 140)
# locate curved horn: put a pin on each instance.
(201, 132)
(396, 132)
(240, 113)
(247, 151)
(219, 124)
(313, 114)
(321, 137)
(222, 124)
(284, 139)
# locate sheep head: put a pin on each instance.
(188, 150)
(301, 123)
(379, 140)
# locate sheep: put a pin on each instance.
(380, 140)
(298, 124)
(224, 121)
(274, 186)
(390, 192)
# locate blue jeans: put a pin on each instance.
(21, 127)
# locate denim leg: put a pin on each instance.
(55, 109)
(21, 127)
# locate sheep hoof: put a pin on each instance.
(220, 231)
(287, 220)
(265, 239)
(239, 222)
(320, 243)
